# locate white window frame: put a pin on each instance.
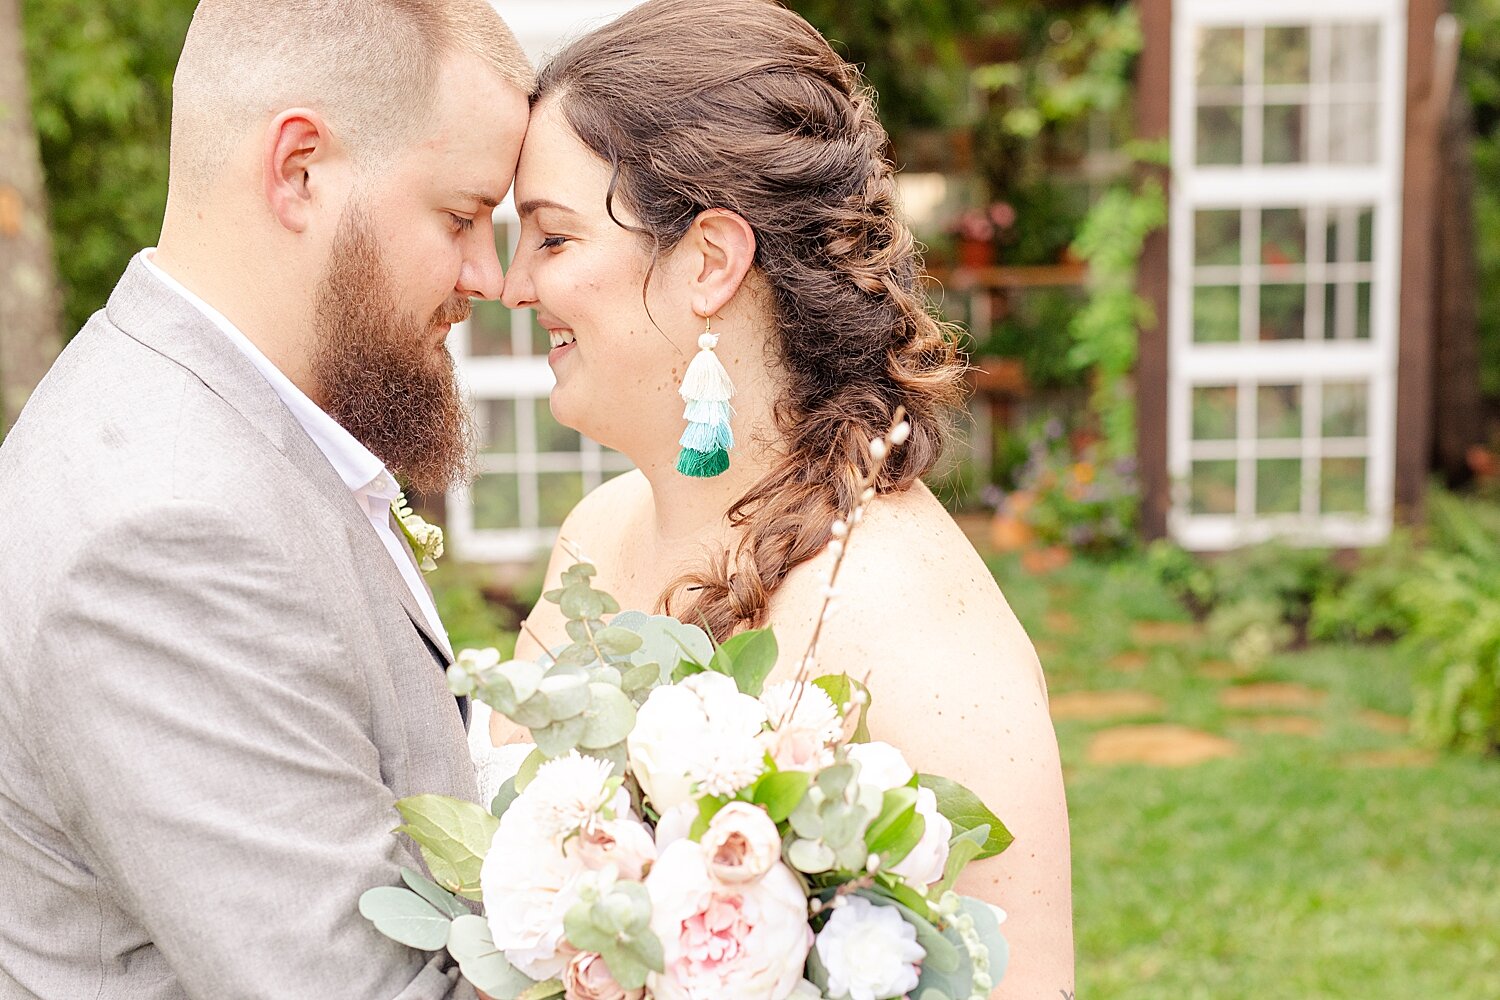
(1248, 365)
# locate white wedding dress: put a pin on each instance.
(492, 764)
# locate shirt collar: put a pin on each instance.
(355, 464)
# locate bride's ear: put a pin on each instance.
(723, 249)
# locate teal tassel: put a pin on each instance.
(707, 437)
(707, 411)
(702, 464)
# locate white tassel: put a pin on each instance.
(706, 380)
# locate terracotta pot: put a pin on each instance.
(1009, 533)
(1046, 560)
(975, 253)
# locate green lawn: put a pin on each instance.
(1320, 865)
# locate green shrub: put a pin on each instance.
(1367, 607)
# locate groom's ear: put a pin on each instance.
(296, 152)
(723, 245)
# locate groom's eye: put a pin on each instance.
(461, 224)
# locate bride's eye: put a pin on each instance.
(552, 242)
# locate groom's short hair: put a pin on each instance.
(370, 67)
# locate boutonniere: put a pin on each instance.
(426, 539)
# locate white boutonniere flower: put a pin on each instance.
(426, 539)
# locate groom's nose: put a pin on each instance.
(481, 276)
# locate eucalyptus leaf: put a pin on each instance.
(609, 718)
(640, 678)
(579, 654)
(433, 893)
(558, 738)
(810, 856)
(749, 658)
(454, 836)
(666, 642)
(405, 916)
(965, 811)
(617, 641)
(481, 963)
(581, 602)
(958, 981)
(567, 695)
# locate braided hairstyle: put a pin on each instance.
(742, 105)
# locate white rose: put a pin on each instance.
(700, 732)
(883, 766)
(725, 940)
(741, 843)
(870, 952)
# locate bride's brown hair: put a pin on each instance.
(742, 105)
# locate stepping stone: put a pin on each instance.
(1283, 696)
(1094, 705)
(1280, 725)
(1132, 661)
(1164, 633)
(1161, 744)
(1383, 722)
(1060, 621)
(1397, 757)
(1046, 650)
(1223, 670)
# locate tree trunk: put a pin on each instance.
(30, 324)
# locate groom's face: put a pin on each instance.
(414, 245)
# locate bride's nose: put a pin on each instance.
(519, 292)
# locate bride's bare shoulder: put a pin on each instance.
(595, 522)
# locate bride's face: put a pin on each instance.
(617, 370)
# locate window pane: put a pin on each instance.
(1343, 486)
(1353, 131)
(1286, 134)
(1216, 236)
(1351, 234)
(1278, 412)
(541, 341)
(497, 503)
(1221, 57)
(557, 494)
(1278, 485)
(1283, 236)
(1283, 312)
(1216, 314)
(489, 330)
(1221, 136)
(1362, 311)
(551, 435)
(1213, 487)
(1355, 57)
(1346, 409)
(497, 425)
(1214, 412)
(1287, 55)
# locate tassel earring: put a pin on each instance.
(707, 390)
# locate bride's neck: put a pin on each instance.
(692, 511)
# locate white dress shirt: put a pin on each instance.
(374, 488)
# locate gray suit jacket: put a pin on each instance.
(214, 685)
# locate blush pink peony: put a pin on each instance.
(588, 978)
(720, 940)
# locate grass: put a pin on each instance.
(1293, 870)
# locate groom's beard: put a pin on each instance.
(379, 372)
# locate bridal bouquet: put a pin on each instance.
(684, 831)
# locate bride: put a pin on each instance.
(713, 167)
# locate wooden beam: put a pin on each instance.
(1418, 315)
(1154, 121)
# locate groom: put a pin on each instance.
(219, 665)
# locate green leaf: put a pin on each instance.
(708, 808)
(966, 812)
(898, 828)
(542, 991)
(609, 718)
(638, 678)
(778, 792)
(454, 836)
(528, 768)
(504, 797)
(558, 738)
(841, 689)
(433, 893)
(481, 963)
(617, 641)
(581, 602)
(665, 641)
(749, 658)
(962, 849)
(405, 916)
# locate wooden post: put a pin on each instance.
(1424, 118)
(1154, 121)
(30, 325)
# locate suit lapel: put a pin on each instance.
(151, 313)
